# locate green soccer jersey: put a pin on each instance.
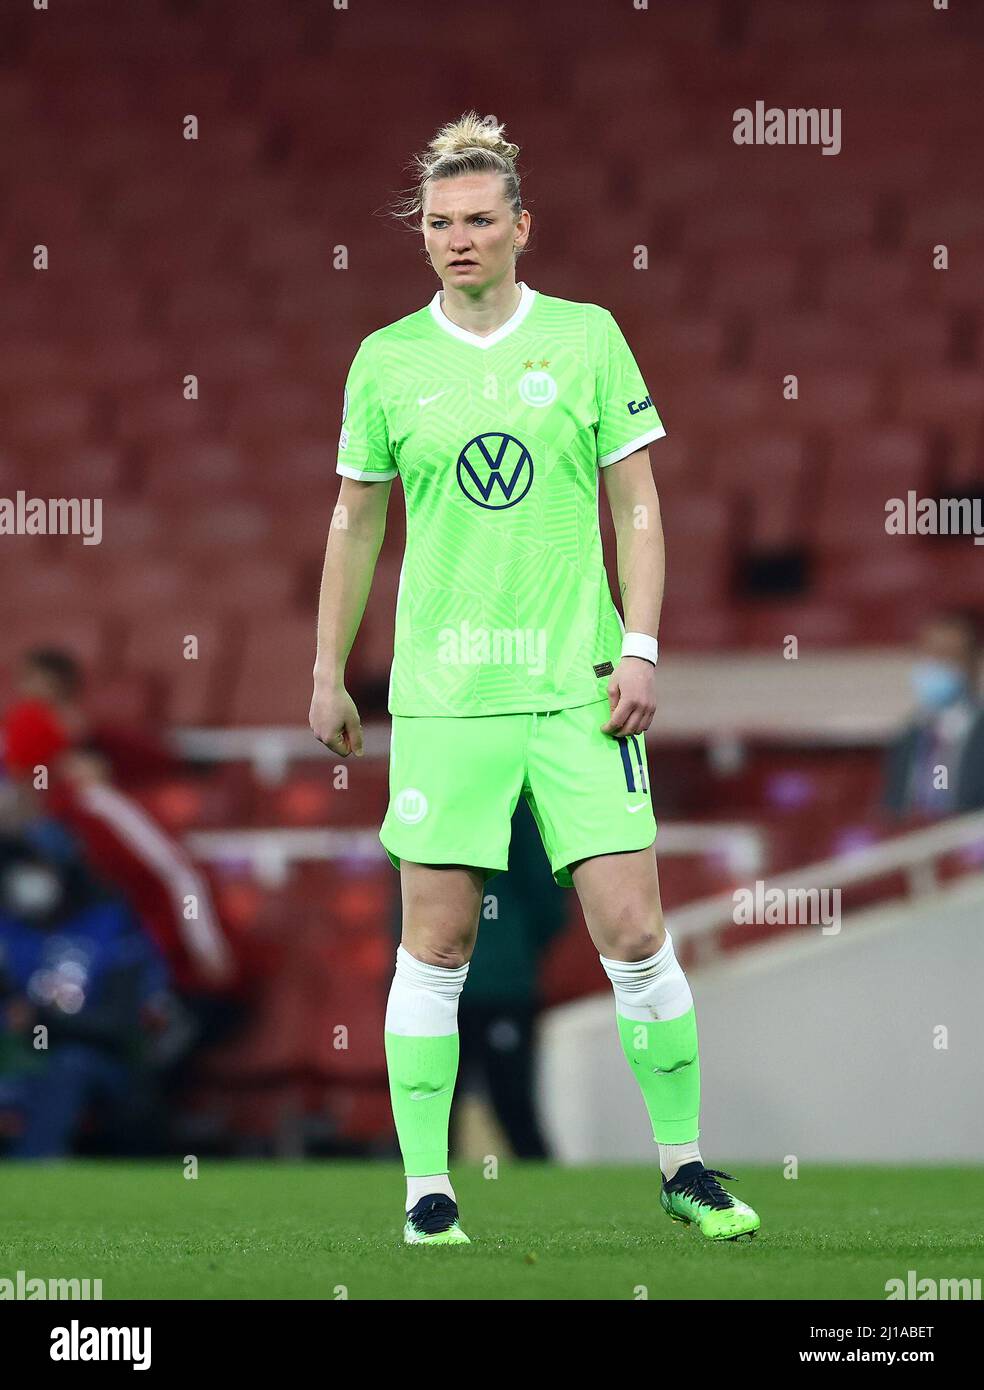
(504, 605)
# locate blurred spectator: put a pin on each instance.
(170, 894)
(948, 731)
(129, 849)
(83, 813)
(82, 989)
(51, 686)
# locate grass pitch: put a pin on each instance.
(328, 1230)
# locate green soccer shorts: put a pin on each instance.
(455, 782)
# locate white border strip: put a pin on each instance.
(365, 476)
(526, 299)
(627, 449)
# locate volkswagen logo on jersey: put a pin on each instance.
(537, 388)
(495, 471)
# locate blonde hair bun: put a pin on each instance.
(470, 132)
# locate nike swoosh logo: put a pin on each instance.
(428, 1095)
(632, 809)
(426, 400)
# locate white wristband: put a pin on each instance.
(638, 644)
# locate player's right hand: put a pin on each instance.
(335, 720)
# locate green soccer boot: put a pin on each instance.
(694, 1196)
(434, 1221)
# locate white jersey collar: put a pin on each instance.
(526, 298)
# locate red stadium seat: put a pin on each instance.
(941, 396)
(198, 690)
(274, 681)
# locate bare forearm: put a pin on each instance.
(346, 579)
(641, 561)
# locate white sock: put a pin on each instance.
(650, 990)
(423, 999)
(424, 1187)
(672, 1157)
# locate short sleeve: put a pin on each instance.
(627, 418)
(363, 445)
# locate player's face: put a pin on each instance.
(470, 232)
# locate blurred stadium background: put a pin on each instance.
(255, 257)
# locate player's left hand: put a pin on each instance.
(631, 697)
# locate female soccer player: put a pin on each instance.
(513, 673)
